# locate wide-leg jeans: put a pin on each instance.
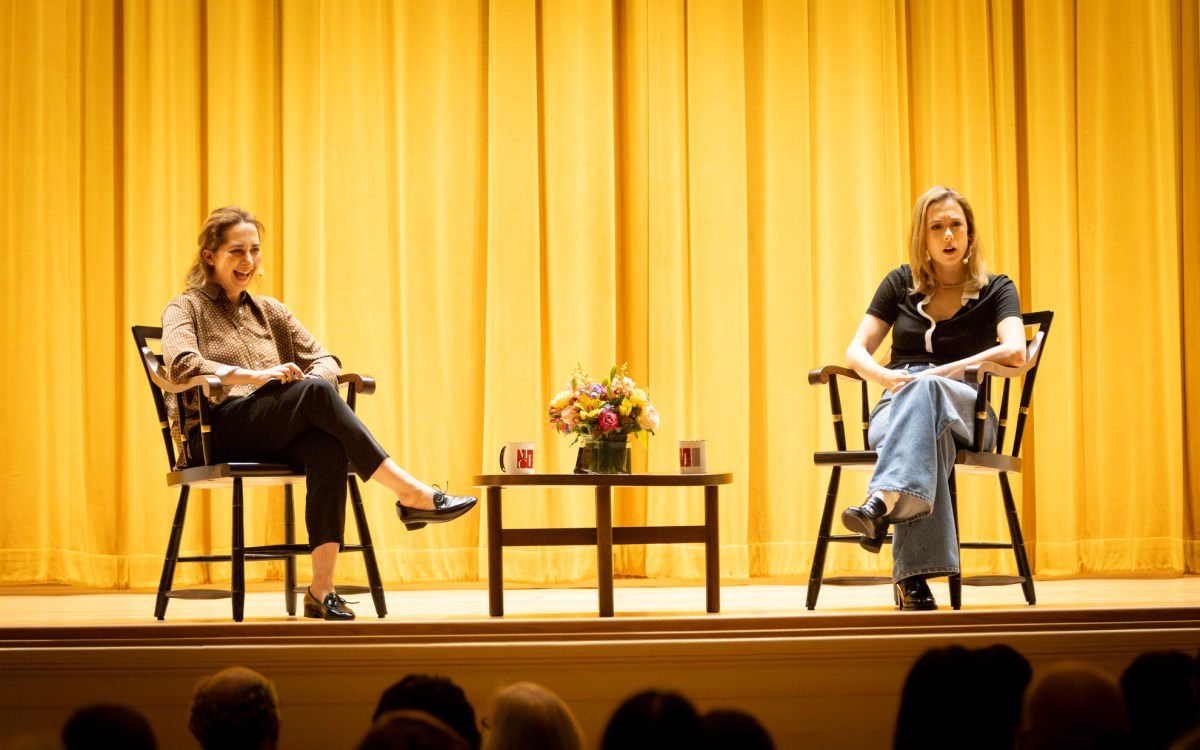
(916, 433)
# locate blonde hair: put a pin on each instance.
(924, 282)
(212, 236)
(527, 715)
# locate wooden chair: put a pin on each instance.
(1001, 462)
(210, 475)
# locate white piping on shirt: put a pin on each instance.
(966, 297)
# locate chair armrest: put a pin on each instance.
(821, 375)
(211, 385)
(976, 373)
(363, 384)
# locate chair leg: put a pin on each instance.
(956, 579)
(238, 574)
(1018, 541)
(289, 563)
(368, 549)
(818, 565)
(172, 556)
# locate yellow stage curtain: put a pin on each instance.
(468, 198)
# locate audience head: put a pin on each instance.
(436, 695)
(411, 729)
(1010, 672)
(1072, 704)
(527, 715)
(950, 695)
(1160, 698)
(235, 709)
(730, 729)
(106, 725)
(654, 720)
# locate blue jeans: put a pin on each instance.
(916, 433)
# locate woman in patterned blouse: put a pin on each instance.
(282, 403)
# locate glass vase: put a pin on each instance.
(607, 454)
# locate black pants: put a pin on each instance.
(307, 423)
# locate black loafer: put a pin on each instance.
(873, 544)
(914, 594)
(445, 508)
(333, 607)
(868, 519)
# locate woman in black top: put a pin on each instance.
(945, 312)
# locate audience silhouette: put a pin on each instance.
(731, 729)
(952, 697)
(104, 726)
(527, 715)
(1072, 705)
(411, 729)
(654, 720)
(1011, 674)
(439, 697)
(1160, 698)
(236, 709)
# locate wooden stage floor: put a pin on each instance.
(41, 606)
(800, 672)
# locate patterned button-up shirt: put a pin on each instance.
(206, 334)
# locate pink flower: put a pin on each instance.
(608, 420)
(648, 419)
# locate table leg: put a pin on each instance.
(495, 526)
(604, 550)
(712, 550)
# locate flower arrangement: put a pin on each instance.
(613, 407)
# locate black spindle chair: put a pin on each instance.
(1001, 461)
(236, 475)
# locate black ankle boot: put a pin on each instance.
(914, 594)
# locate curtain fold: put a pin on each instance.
(468, 199)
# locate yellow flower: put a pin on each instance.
(561, 400)
(638, 397)
(588, 404)
(625, 407)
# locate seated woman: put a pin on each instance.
(945, 312)
(283, 404)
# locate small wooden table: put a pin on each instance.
(604, 536)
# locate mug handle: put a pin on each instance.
(502, 459)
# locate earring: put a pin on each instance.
(966, 259)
